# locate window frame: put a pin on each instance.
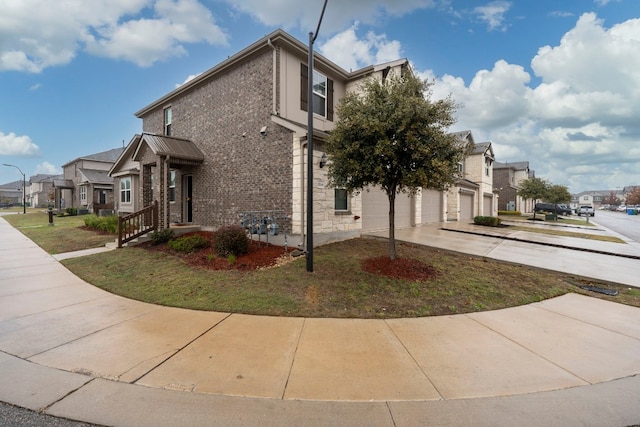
(168, 118)
(323, 83)
(347, 208)
(83, 194)
(172, 185)
(125, 190)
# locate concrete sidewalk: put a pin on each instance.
(71, 350)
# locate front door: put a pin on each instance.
(188, 194)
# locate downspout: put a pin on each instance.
(274, 111)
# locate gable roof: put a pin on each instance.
(178, 149)
(108, 156)
(519, 166)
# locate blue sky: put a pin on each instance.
(555, 83)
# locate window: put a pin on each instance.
(83, 195)
(341, 199)
(322, 102)
(172, 186)
(125, 190)
(167, 121)
(319, 93)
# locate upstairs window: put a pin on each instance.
(322, 102)
(125, 190)
(167, 121)
(319, 94)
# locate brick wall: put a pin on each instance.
(242, 170)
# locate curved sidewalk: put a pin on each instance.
(72, 350)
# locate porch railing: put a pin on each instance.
(137, 224)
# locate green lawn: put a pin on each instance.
(338, 287)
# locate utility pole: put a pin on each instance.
(312, 39)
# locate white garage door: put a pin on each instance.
(466, 206)
(431, 206)
(375, 210)
(487, 207)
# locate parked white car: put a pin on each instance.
(621, 208)
(586, 210)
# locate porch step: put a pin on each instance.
(177, 231)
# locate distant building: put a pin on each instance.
(506, 182)
(40, 191)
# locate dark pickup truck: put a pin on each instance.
(550, 207)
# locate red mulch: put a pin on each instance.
(399, 268)
(262, 255)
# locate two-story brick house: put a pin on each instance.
(40, 191)
(85, 183)
(234, 140)
(506, 180)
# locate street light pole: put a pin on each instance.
(312, 39)
(24, 188)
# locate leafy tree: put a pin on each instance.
(633, 198)
(611, 199)
(557, 194)
(391, 135)
(534, 189)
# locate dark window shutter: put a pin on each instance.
(330, 100)
(304, 87)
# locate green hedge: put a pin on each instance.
(489, 221)
(188, 243)
(108, 224)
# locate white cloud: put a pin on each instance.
(579, 125)
(188, 79)
(338, 15)
(493, 14)
(13, 145)
(352, 53)
(36, 34)
(48, 169)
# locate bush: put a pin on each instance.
(231, 240)
(108, 224)
(162, 236)
(489, 221)
(513, 213)
(72, 211)
(188, 244)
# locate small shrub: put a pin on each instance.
(162, 236)
(489, 221)
(188, 244)
(72, 211)
(108, 224)
(231, 259)
(231, 240)
(513, 213)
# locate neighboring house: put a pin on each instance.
(41, 191)
(233, 140)
(594, 198)
(473, 193)
(506, 181)
(11, 193)
(86, 184)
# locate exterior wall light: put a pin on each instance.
(323, 160)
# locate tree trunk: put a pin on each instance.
(392, 223)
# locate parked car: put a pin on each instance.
(5, 205)
(621, 208)
(586, 210)
(550, 207)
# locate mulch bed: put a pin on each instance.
(263, 255)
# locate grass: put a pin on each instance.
(338, 287)
(565, 233)
(64, 236)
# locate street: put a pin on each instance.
(620, 222)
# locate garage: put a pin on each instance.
(375, 210)
(431, 206)
(466, 206)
